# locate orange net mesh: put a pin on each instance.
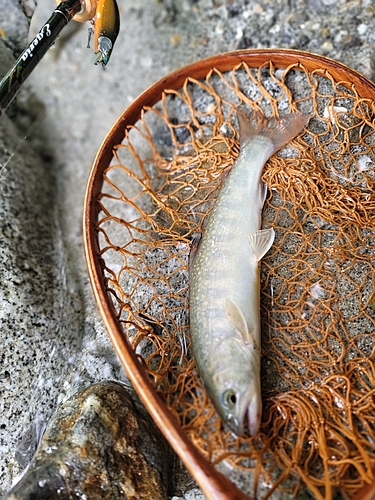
(318, 370)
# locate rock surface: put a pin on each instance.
(51, 336)
(40, 302)
(98, 445)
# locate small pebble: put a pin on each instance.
(362, 28)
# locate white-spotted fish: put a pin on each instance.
(225, 280)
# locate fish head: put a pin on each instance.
(236, 395)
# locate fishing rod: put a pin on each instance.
(30, 57)
(106, 29)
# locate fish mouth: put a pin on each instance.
(236, 423)
(250, 413)
(253, 421)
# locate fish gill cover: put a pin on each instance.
(317, 300)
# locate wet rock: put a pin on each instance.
(98, 445)
(28, 444)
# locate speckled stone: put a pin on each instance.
(14, 26)
(40, 308)
(99, 445)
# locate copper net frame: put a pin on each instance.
(212, 482)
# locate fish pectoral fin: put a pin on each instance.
(261, 241)
(238, 321)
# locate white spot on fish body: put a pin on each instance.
(239, 33)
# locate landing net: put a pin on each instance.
(317, 301)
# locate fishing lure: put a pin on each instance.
(106, 16)
(106, 29)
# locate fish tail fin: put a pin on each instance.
(278, 130)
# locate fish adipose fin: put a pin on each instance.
(279, 130)
(261, 241)
(238, 321)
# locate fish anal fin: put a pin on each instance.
(261, 241)
(237, 319)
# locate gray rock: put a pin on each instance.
(14, 25)
(41, 310)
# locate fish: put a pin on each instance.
(225, 276)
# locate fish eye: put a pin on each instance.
(229, 398)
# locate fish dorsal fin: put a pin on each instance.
(238, 321)
(261, 241)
